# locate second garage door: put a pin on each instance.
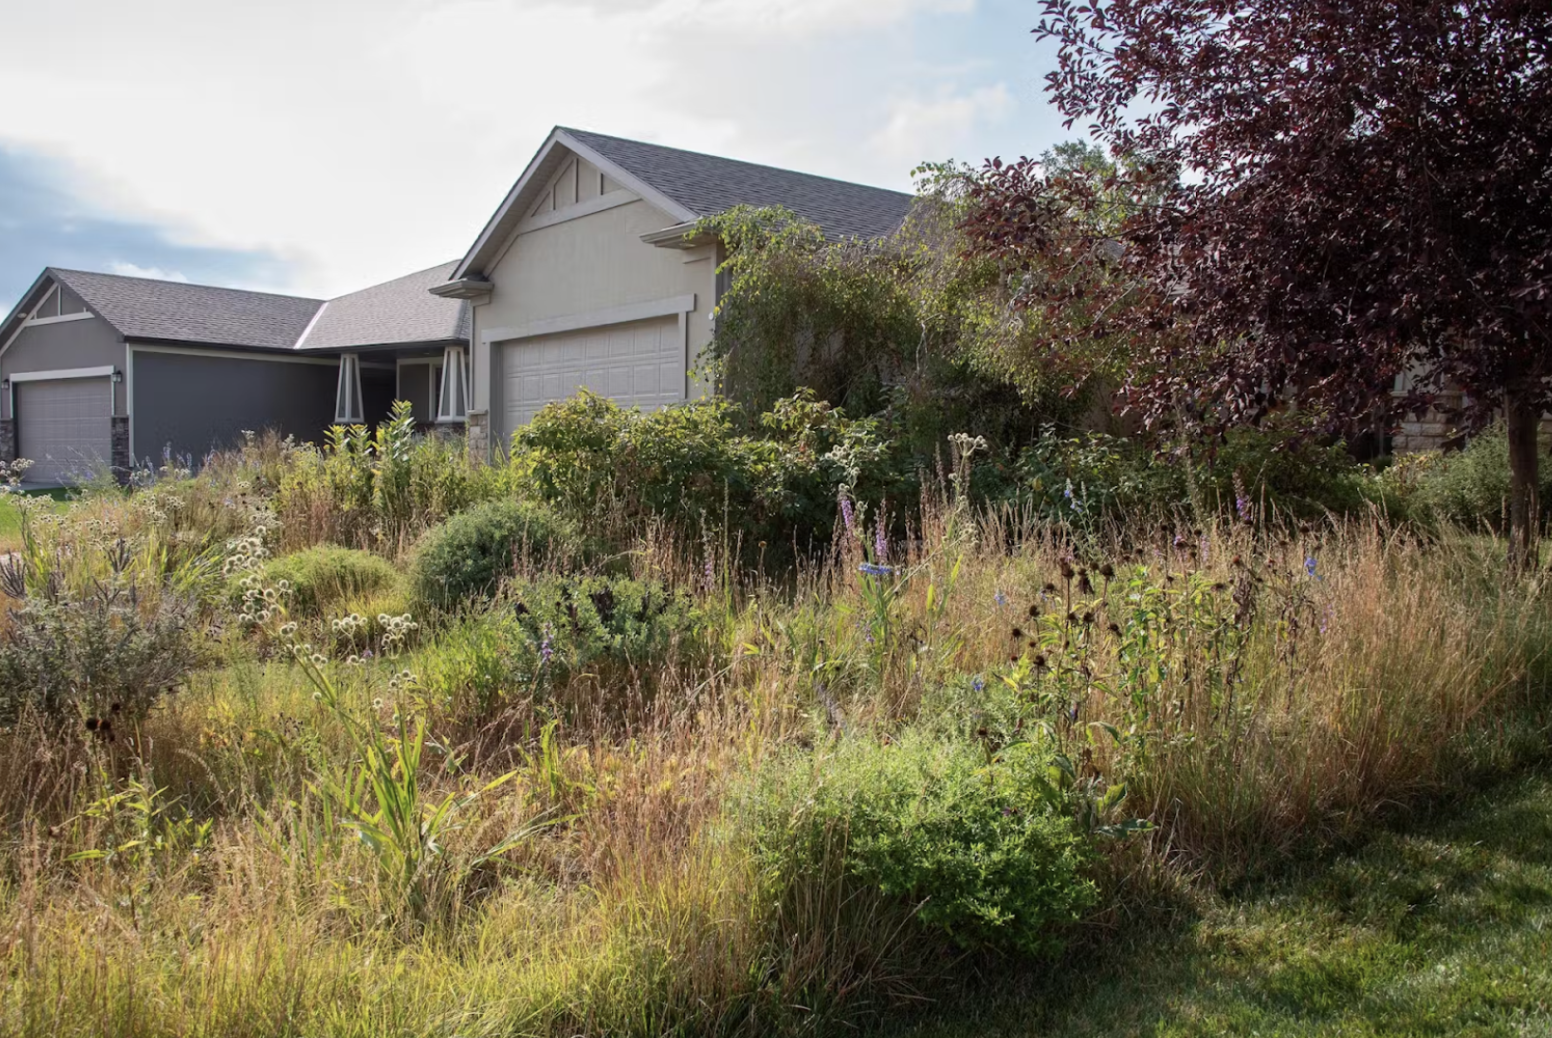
(62, 427)
(640, 364)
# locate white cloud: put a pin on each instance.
(131, 270)
(920, 129)
(359, 139)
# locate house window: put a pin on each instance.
(347, 396)
(453, 399)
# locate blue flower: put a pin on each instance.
(872, 569)
(978, 683)
(1001, 599)
(1309, 565)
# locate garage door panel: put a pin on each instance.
(637, 365)
(62, 426)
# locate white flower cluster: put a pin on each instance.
(403, 681)
(11, 473)
(261, 602)
(396, 631)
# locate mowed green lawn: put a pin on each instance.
(1443, 928)
(10, 516)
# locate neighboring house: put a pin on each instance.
(98, 369)
(584, 277)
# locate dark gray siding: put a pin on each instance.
(195, 403)
(415, 386)
(70, 344)
(376, 394)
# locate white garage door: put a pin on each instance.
(62, 427)
(640, 364)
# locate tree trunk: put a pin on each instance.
(1523, 422)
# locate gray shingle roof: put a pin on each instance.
(395, 312)
(399, 311)
(707, 185)
(141, 308)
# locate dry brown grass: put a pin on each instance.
(1386, 679)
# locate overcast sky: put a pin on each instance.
(319, 146)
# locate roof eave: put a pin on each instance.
(679, 236)
(463, 288)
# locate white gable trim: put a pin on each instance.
(561, 139)
(679, 305)
(302, 339)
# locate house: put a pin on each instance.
(100, 369)
(585, 276)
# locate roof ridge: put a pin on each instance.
(186, 284)
(737, 162)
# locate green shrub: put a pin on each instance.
(970, 840)
(1080, 480)
(326, 575)
(1469, 486)
(466, 557)
(695, 467)
(104, 654)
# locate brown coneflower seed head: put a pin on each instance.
(1040, 662)
(1170, 579)
(1016, 633)
(1049, 589)
(91, 724)
(1067, 571)
(1013, 658)
(1107, 571)
(982, 732)
(1088, 618)
(116, 708)
(1072, 618)
(1033, 644)
(1115, 629)
(1034, 611)
(1220, 586)
(1085, 585)
(1239, 563)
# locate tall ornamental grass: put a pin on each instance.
(755, 826)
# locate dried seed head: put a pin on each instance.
(1107, 571)
(1016, 633)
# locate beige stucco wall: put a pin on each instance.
(583, 266)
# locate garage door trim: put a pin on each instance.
(107, 371)
(678, 305)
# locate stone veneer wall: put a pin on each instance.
(479, 435)
(7, 439)
(121, 462)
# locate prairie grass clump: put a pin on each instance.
(694, 791)
(324, 576)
